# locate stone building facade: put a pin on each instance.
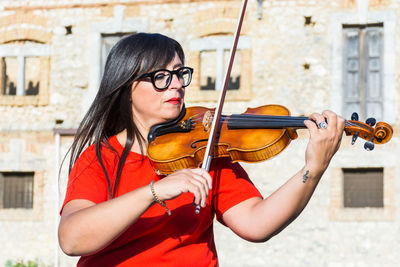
(306, 55)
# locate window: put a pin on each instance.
(16, 190)
(107, 42)
(362, 193)
(212, 75)
(209, 56)
(362, 77)
(24, 73)
(20, 68)
(100, 38)
(363, 188)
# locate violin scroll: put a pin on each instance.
(380, 134)
(383, 132)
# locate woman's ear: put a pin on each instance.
(133, 86)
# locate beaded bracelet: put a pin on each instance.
(156, 199)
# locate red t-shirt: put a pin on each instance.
(156, 239)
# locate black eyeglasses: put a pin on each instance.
(161, 79)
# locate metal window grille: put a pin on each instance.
(363, 188)
(16, 190)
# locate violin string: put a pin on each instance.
(266, 118)
(200, 116)
(255, 117)
(268, 121)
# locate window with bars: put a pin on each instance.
(16, 190)
(21, 63)
(362, 70)
(363, 188)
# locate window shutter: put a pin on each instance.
(351, 75)
(373, 73)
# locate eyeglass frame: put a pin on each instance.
(171, 72)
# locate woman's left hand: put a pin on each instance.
(326, 131)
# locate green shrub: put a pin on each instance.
(21, 264)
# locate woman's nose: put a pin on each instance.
(175, 82)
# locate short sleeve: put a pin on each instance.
(86, 180)
(231, 186)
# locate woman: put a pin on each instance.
(118, 211)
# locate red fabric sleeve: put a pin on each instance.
(87, 179)
(231, 186)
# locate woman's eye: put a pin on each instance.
(184, 71)
(160, 76)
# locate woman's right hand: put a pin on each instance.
(196, 181)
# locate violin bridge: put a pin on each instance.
(207, 120)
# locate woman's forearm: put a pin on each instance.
(257, 220)
(86, 228)
(286, 203)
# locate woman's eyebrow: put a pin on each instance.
(178, 65)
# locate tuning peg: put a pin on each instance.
(354, 138)
(354, 116)
(371, 121)
(369, 145)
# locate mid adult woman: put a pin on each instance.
(111, 214)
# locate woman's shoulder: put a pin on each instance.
(88, 161)
(108, 150)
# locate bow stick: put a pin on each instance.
(215, 128)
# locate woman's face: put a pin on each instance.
(151, 106)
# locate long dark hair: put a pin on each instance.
(111, 110)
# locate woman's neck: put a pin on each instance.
(121, 137)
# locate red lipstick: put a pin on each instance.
(174, 100)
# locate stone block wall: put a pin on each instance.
(290, 62)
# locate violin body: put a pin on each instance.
(177, 150)
(256, 135)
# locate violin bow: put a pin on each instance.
(215, 128)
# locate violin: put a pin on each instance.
(253, 136)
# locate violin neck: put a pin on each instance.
(250, 121)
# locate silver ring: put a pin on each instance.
(322, 125)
